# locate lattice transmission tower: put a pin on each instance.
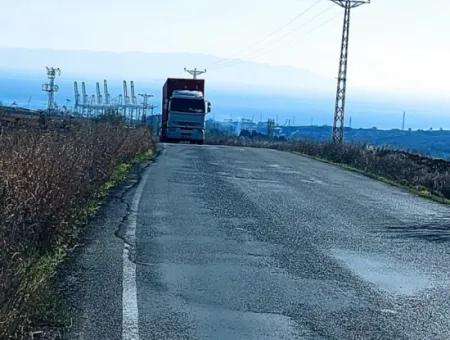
(51, 88)
(339, 112)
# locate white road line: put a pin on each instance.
(130, 315)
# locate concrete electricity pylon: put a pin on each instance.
(195, 73)
(338, 125)
(51, 88)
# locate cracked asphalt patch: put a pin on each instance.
(237, 243)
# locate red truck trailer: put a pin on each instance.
(183, 110)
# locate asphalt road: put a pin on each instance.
(239, 243)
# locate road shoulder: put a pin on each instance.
(89, 282)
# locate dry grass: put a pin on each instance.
(424, 175)
(47, 175)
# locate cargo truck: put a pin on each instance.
(184, 109)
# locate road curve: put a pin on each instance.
(241, 243)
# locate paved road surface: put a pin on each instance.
(236, 243)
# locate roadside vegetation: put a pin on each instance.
(433, 143)
(425, 176)
(53, 175)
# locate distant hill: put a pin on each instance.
(244, 90)
(158, 66)
(431, 143)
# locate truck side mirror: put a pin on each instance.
(209, 107)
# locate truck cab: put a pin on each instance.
(187, 110)
(184, 111)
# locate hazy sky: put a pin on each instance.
(396, 44)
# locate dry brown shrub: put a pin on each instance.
(46, 176)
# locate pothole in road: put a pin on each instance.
(390, 276)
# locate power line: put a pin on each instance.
(297, 29)
(269, 35)
(322, 24)
(265, 50)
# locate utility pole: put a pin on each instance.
(338, 125)
(51, 88)
(195, 73)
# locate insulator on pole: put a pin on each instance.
(195, 73)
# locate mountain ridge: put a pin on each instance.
(157, 66)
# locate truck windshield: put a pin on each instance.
(187, 105)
